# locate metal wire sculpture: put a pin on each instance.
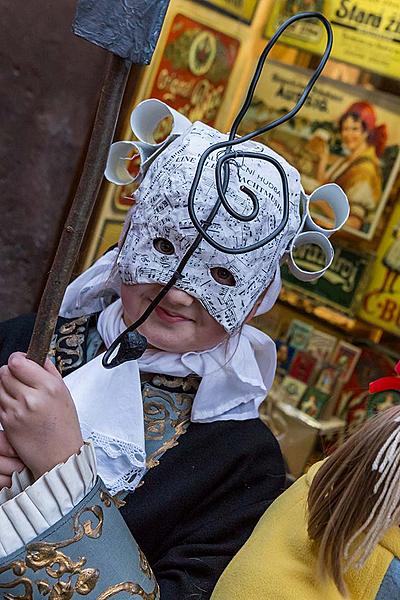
(130, 344)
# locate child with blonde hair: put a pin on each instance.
(335, 532)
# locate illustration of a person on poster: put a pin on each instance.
(358, 172)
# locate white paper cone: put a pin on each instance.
(310, 237)
(333, 195)
(147, 115)
(118, 161)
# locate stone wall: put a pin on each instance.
(50, 81)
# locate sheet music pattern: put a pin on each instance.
(161, 211)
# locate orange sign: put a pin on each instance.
(195, 69)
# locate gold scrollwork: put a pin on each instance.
(48, 556)
(153, 460)
(71, 577)
(67, 344)
(108, 500)
(161, 408)
(144, 565)
(187, 384)
(155, 416)
(25, 583)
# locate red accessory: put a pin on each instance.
(385, 384)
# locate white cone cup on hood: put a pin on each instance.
(118, 161)
(148, 115)
(335, 197)
(318, 239)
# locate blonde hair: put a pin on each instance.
(355, 497)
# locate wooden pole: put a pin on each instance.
(112, 92)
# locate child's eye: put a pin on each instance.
(223, 276)
(163, 246)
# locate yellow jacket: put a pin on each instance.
(278, 562)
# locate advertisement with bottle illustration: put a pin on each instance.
(192, 77)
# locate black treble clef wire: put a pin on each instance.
(130, 344)
(234, 141)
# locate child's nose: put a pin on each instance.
(175, 296)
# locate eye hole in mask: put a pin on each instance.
(223, 276)
(163, 246)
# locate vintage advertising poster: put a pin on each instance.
(346, 357)
(192, 76)
(342, 285)
(242, 9)
(366, 32)
(341, 135)
(195, 69)
(381, 303)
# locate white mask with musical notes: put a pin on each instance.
(161, 216)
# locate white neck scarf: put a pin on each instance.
(235, 376)
(110, 412)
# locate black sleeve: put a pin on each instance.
(205, 501)
(15, 336)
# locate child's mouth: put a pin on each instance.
(168, 317)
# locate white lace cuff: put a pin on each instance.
(27, 509)
(120, 464)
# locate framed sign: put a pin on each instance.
(346, 357)
(366, 32)
(321, 345)
(341, 135)
(381, 303)
(343, 284)
(195, 68)
(192, 76)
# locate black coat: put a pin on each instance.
(198, 507)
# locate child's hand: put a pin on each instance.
(38, 414)
(9, 462)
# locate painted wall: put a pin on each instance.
(49, 84)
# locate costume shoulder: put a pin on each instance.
(217, 482)
(15, 335)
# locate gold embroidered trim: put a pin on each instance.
(133, 589)
(158, 413)
(47, 556)
(108, 500)
(72, 577)
(187, 384)
(68, 343)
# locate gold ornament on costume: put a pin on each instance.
(77, 578)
